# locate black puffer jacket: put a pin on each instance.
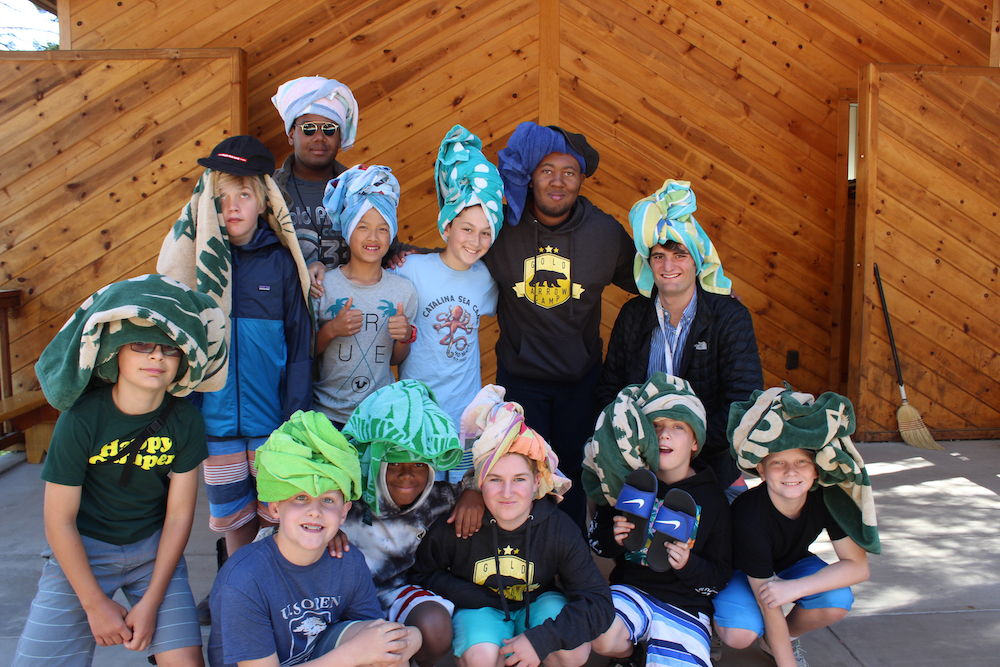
(720, 360)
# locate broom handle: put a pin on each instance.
(888, 325)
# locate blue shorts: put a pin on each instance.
(487, 625)
(57, 631)
(736, 606)
(330, 639)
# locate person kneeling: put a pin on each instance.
(285, 599)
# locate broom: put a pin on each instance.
(911, 426)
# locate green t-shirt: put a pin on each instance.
(85, 442)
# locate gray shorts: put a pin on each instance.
(57, 631)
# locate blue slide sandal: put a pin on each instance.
(636, 502)
(674, 521)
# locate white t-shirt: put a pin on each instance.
(445, 355)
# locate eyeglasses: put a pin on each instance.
(309, 129)
(147, 348)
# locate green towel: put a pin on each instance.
(196, 250)
(307, 453)
(150, 308)
(401, 423)
(625, 438)
(778, 419)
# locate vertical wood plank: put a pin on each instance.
(548, 62)
(840, 288)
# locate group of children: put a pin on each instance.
(408, 521)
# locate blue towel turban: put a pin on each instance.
(357, 191)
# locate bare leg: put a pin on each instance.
(801, 621)
(189, 656)
(434, 623)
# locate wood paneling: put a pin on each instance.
(98, 154)
(928, 190)
(742, 97)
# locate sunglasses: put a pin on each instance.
(329, 129)
(147, 348)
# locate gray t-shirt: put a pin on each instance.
(353, 367)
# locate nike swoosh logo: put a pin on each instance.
(676, 524)
(635, 500)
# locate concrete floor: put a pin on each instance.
(933, 597)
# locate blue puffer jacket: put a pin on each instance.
(270, 357)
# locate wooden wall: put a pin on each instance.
(928, 207)
(97, 157)
(742, 97)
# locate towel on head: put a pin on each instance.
(196, 251)
(668, 215)
(401, 423)
(779, 419)
(526, 147)
(307, 454)
(145, 309)
(501, 430)
(464, 177)
(625, 437)
(357, 191)
(320, 96)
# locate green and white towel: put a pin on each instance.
(196, 251)
(668, 215)
(625, 438)
(145, 309)
(780, 418)
(401, 423)
(307, 454)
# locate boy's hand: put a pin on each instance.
(382, 642)
(678, 553)
(519, 651)
(399, 326)
(397, 260)
(141, 619)
(317, 271)
(339, 544)
(107, 622)
(622, 528)
(468, 514)
(777, 592)
(347, 322)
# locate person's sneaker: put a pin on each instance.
(800, 654)
(716, 649)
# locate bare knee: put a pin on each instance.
(576, 657)
(480, 655)
(189, 656)
(434, 623)
(616, 642)
(736, 637)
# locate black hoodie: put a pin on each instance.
(709, 565)
(550, 281)
(547, 544)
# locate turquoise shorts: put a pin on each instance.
(736, 606)
(487, 625)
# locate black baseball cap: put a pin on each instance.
(241, 155)
(578, 142)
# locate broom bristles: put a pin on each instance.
(912, 428)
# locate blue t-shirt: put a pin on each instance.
(263, 605)
(445, 355)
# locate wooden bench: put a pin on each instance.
(33, 420)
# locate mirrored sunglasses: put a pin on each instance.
(147, 348)
(329, 129)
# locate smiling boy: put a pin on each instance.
(659, 425)
(454, 288)
(284, 599)
(365, 312)
(814, 480)
(502, 580)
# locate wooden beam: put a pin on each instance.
(548, 65)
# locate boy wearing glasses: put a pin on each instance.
(321, 118)
(122, 474)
